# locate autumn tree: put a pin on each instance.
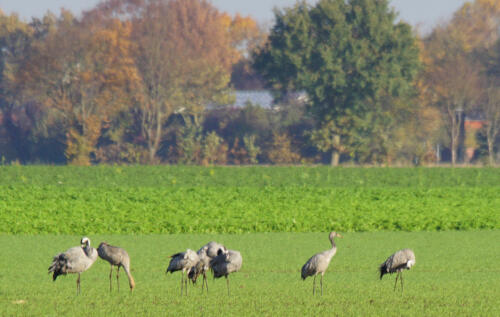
(491, 109)
(489, 105)
(82, 70)
(186, 50)
(483, 18)
(247, 35)
(454, 81)
(24, 124)
(453, 68)
(15, 39)
(280, 151)
(347, 56)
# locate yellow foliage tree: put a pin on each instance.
(452, 72)
(83, 71)
(281, 150)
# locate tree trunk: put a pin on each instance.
(456, 124)
(335, 152)
(152, 154)
(335, 158)
(491, 153)
(453, 151)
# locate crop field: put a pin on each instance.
(457, 274)
(167, 199)
(276, 216)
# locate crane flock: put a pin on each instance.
(212, 256)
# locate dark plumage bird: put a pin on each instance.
(319, 262)
(74, 260)
(183, 261)
(206, 253)
(402, 259)
(226, 263)
(116, 256)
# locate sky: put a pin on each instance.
(422, 13)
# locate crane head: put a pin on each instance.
(85, 241)
(334, 234)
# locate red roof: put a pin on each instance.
(474, 124)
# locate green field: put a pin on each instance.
(169, 199)
(276, 216)
(457, 274)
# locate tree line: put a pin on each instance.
(153, 81)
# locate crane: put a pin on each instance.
(206, 253)
(212, 249)
(319, 262)
(397, 262)
(116, 256)
(74, 260)
(226, 263)
(183, 261)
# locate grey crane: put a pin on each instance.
(74, 260)
(116, 256)
(319, 262)
(183, 261)
(226, 263)
(212, 249)
(402, 259)
(206, 253)
(201, 267)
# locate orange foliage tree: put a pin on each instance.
(184, 59)
(83, 71)
(185, 52)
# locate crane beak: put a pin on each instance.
(339, 235)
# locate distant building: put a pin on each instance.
(264, 98)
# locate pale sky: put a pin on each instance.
(423, 13)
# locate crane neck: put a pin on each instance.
(87, 250)
(334, 246)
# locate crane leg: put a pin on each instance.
(78, 284)
(118, 278)
(314, 284)
(321, 282)
(110, 279)
(186, 284)
(401, 279)
(227, 282)
(205, 282)
(182, 281)
(396, 282)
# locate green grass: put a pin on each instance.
(172, 199)
(457, 274)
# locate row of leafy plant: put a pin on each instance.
(246, 176)
(62, 209)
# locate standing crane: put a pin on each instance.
(319, 262)
(201, 267)
(183, 261)
(402, 259)
(206, 253)
(226, 263)
(74, 260)
(116, 256)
